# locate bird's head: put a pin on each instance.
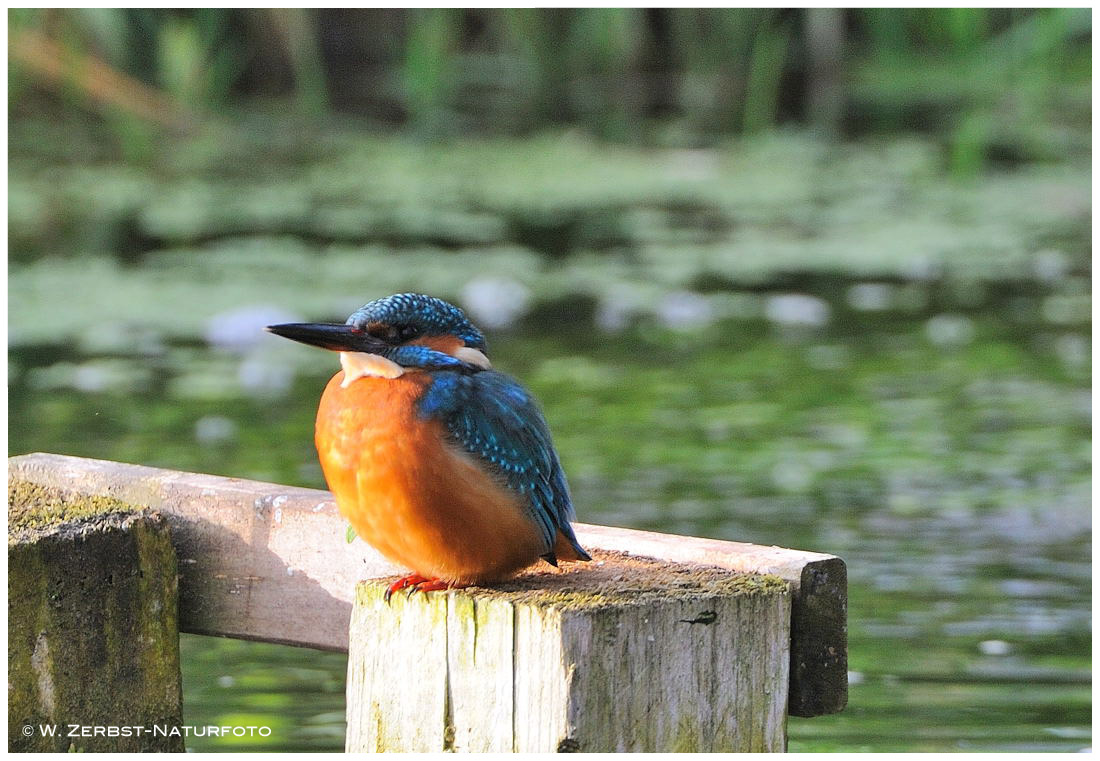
(398, 333)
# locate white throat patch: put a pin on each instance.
(360, 365)
(472, 356)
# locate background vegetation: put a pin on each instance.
(993, 84)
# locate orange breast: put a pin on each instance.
(420, 501)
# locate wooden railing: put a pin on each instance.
(663, 643)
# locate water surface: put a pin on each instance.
(835, 348)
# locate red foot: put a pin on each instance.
(417, 583)
(406, 581)
(431, 585)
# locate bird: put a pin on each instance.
(441, 463)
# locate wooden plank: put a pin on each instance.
(254, 555)
(626, 654)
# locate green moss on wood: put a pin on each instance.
(158, 587)
(93, 624)
(34, 508)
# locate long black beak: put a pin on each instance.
(330, 335)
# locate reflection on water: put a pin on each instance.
(946, 458)
(296, 693)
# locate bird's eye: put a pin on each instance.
(384, 332)
(393, 334)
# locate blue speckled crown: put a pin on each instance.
(434, 317)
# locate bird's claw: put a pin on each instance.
(405, 581)
(414, 582)
(431, 585)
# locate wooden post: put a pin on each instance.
(93, 640)
(622, 654)
(819, 603)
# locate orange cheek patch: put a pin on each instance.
(445, 344)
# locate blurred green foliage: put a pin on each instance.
(243, 214)
(994, 83)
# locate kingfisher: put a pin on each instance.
(438, 461)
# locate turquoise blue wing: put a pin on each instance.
(494, 418)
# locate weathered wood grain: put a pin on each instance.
(819, 594)
(623, 655)
(92, 633)
(269, 562)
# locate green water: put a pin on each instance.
(840, 351)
